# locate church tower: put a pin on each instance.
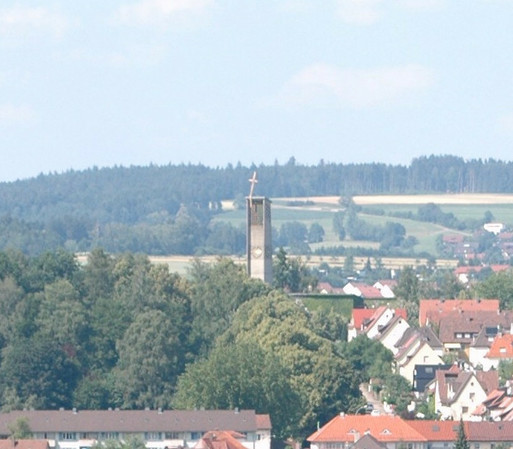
(259, 248)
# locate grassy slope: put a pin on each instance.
(426, 233)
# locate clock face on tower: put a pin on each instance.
(256, 252)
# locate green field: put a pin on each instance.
(322, 211)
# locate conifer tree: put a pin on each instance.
(461, 442)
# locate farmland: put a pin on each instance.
(379, 209)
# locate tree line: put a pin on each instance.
(121, 332)
(169, 209)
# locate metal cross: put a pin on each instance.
(253, 180)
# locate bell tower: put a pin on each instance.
(259, 248)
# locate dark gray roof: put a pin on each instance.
(368, 442)
(136, 420)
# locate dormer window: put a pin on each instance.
(386, 432)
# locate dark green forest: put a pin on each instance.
(121, 332)
(168, 209)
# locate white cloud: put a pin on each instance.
(10, 115)
(359, 12)
(154, 11)
(321, 84)
(28, 21)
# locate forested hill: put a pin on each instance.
(167, 209)
(127, 195)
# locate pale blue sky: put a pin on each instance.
(131, 82)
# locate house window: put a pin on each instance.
(67, 436)
(196, 435)
(459, 335)
(109, 435)
(464, 409)
(472, 396)
(172, 436)
(429, 369)
(152, 436)
(467, 335)
(476, 445)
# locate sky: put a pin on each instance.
(95, 83)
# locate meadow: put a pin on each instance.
(378, 209)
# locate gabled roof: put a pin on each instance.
(366, 290)
(349, 428)
(220, 439)
(368, 442)
(433, 310)
(489, 380)
(469, 322)
(501, 348)
(391, 325)
(360, 316)
(458, 379)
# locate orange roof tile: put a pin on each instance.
(502, 347)
(360, 315)
(349, 428)
(436, 430)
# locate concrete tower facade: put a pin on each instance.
(259, 248)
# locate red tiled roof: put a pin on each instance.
(498, 268)
(23, 444)
(367, 291)
(349, 428)
(502, 347)
(263, 422)
(434, 309)
(220, 439)
(360, 315)
(436, 430)
(489, 431)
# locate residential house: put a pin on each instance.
(362, 290)
(359, 319)
(489, 435)
(160, 429)
(371, 321)
(368, 442)
(325, 288)
(423, 375)
(466, 274)
(415, 348)
(392, 432)
(392, 332)
(458, 330)
(439, 434)
(223, 439)
(501, 349)
(498, 406)
(381, 317)
(458, 392)
(386, 286)
(432, 310)
(345, 430)
(480, 347)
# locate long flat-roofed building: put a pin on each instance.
(82, 429)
